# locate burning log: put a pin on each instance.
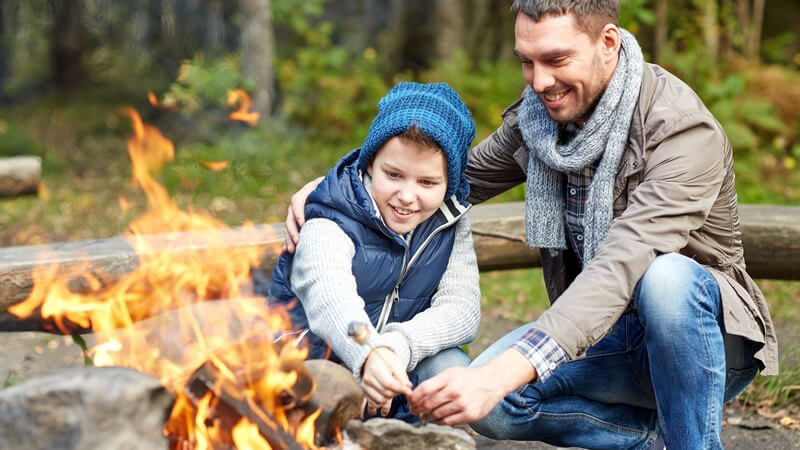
(231, 406)
(20, 175)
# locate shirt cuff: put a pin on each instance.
(542, 351)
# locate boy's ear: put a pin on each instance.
(369, 167)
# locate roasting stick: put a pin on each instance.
(361, 333)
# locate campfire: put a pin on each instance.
(188, 318)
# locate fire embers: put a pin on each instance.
(236, 417)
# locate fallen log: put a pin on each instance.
(20, 175)
(771, 237)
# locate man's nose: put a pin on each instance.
(543, 79)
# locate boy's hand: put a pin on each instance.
(296, 216)
(384, 377)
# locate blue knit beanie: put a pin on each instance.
(437, 110)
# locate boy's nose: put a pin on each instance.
(406, 195)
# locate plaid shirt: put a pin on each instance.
(577, 191)
(540, 349)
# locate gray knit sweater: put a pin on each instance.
(323, 280)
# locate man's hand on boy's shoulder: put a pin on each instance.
(296, 216)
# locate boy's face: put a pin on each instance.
(408, 183)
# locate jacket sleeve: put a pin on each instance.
(322, 277)
(454, 315)
(496, 164)
(680, 184)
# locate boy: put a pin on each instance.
(388, 244)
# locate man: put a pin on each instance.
(630, 195)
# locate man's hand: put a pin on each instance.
(467, 394)
(296, 216)
(384, 377)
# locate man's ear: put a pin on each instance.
(610, 40)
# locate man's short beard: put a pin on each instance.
(582, 115)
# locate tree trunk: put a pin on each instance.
(66, 45)
(711, 30)
(449, 28)
(743, 13)
(215, 30)
(661, 30)
(476, 40)
(4, 53)
(257, 52)
(754, 37)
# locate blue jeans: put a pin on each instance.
(427, 368)
(666, 365)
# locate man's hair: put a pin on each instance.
(413, 135)
(590, 15)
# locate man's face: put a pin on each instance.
(566, 67)
(408, 183)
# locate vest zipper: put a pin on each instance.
(394, 296)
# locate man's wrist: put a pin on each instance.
(516, 368)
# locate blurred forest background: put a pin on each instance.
(315, 70)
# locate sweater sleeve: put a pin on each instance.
(322, 277)
(454, 315)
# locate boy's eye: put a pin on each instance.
(428, 183)
(392, 174)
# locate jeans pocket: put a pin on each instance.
(737, 380)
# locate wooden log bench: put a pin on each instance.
(771, 237)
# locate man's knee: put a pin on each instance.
(671, 287)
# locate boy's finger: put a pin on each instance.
(386, 408)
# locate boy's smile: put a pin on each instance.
(408, 183)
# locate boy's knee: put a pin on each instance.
(432, 365)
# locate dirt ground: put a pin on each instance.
(26, 354)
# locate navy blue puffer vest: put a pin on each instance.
(384, 265)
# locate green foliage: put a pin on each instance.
(635, 13)
(327, 88)
(15, 140)
(204, 83)
(487, 90)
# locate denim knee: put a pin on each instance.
(671, 288)
(445, 359)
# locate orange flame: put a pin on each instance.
(242, 114)
(181, 309)
(214, 166)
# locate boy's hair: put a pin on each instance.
(413, 135)
(590, 15)
(439, 116)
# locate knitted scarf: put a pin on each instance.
(603, 136)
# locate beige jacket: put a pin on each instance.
(674, 192)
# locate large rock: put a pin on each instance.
(85, 408)
(393, 434)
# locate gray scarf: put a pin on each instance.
(603, 136)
